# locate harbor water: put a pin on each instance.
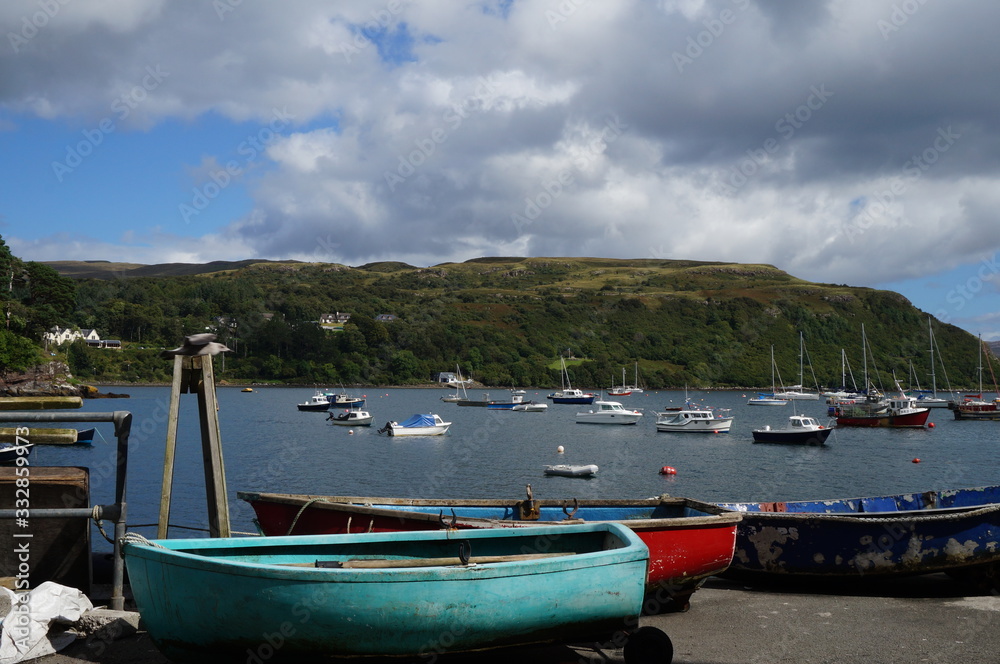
(269, 445)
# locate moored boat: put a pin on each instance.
(342, 400)
(530, 407)
(318, 402)
(10, 453)
(608, 412)
(875, 411)
(800, 430)
(693, 420)
(689, 540)
(572, 396)
(955, 531)
(350, 418)
(568, 394)
(386, 594)
(568, 470)
(429, 424)
(766, 399)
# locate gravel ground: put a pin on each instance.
(925, 619)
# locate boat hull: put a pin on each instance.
(608, 418)
(917, 419)
(816, 437)
(314, 407)
(574, 400)
(688, 540)
(207, 599)
(921, 533)
(988, 412)
(416, 431)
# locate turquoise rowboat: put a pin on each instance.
(404, 594)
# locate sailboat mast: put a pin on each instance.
(843, 367)
(864, 353)
(930, 331)
(801, 351)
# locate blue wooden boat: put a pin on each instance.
(955, 531)
(399, 594)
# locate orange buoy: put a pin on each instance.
(668, 470)
(916, 461)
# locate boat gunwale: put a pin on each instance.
(715, 516)
(184, 553)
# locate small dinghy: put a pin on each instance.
(567, 470)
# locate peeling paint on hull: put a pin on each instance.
(847, 539)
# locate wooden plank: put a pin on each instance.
(39, 403)
(40, 435)
(166, 487)
(389, 563)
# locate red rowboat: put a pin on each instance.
(688, 540)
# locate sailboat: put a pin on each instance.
(568, 394)
(623, 391)
(925, 398)
(796, 392)
(456, 397)
(974, 407)
(842, 394)
(634, 388)
(765, 399)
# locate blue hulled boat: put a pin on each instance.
(387, 594)
(955, 531)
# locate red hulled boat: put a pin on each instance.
(688, 540)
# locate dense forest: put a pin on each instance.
(34, 297)
(504, 321)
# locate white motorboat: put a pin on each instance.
(766, 400)
(430, 424)
(530, 407)
(354, 417)
(693, 421)
(608, 412)
(567, 470)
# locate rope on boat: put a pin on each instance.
(303, 509)
(136, 538)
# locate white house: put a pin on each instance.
(63, 335)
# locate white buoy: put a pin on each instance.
(560, 449)
(350, 432)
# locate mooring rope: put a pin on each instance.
(303, 509)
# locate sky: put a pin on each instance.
(844, 141)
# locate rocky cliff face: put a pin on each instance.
(50, 379)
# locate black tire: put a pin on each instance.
(648, 645)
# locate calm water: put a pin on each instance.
(270, 446)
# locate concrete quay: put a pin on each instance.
(922, 619)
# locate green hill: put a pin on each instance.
(506, 320)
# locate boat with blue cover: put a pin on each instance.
(404, 594)
(429, 424)
(955, 531)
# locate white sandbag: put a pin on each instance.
(25, 628)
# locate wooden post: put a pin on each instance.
(211, 450)
(195, 374)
